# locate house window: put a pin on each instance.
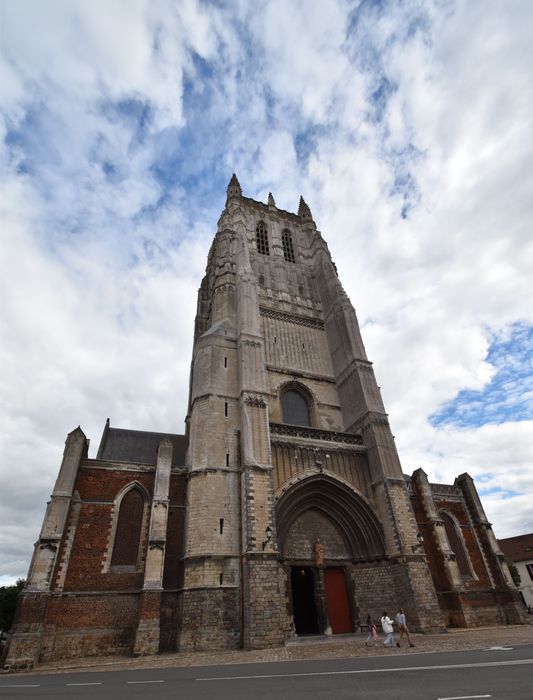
(288, 248)
(295, 408)
(128, 530)
(457, 545)
(261, 237)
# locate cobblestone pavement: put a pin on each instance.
(342, 646)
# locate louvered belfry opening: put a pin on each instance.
(288, 248)
(261, 236)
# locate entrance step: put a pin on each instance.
(323, 639)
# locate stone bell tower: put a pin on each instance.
(231, 595)
(288, 436)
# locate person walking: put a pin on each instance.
(372, 630)
(388, 629)
(402, 627)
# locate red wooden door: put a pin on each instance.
(337, 601)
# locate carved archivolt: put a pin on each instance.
(342, 505)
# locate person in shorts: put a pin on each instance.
(402, 628)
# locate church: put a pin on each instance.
(283, 511)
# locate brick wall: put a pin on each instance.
(98, 489)
(89, 626)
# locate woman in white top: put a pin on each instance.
(388, 629)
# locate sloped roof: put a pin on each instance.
(140, 446)
(518, 548)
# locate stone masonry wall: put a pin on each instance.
(266, 619)
(210, 619)
(374, 589)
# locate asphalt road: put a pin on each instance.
(496, 673)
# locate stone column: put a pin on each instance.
(148, 628)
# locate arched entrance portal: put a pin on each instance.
(325, 528)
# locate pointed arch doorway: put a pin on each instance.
(325, 528)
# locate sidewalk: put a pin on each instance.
(341, 646)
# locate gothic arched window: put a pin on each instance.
(457, 545)
(295, 408)
(128, 529)
(261, 238)
(288, 248)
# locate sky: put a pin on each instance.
(406, 126)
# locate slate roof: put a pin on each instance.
(140, 446)
(518, 548)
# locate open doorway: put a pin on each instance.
(303, 600)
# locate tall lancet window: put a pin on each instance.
(457, 544)
(288, 248)
(128, 529)
(295, 408)
(261, 237)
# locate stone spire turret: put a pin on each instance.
(234, 188)
(304, 211)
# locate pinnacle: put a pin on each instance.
(303, 210)
(234, 188)
(271, 202)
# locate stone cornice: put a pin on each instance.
(197, 471)
(298, 431)
(305, 375)
(308, 321)
(358, 364)
(117, 466)
(284, 441)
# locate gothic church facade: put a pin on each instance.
(282, 511)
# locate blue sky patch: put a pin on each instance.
(497, 490)
(508, 396)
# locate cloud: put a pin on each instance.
(404, 126)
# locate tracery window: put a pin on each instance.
(457, 545)
(295, 408)
(261, 237)
(128, 529)
(288, 248)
